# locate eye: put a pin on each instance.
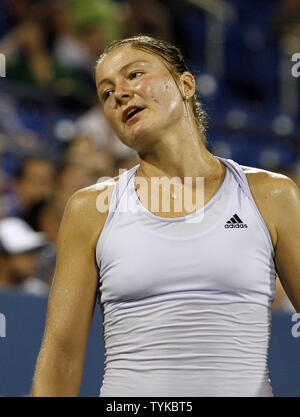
(106, 94)
(135, 74)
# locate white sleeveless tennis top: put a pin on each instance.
(186, 301)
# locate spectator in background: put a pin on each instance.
(19, 10)
(29, 61)
(3, 189)
(19, 254)
(286, 25)
(63, 39)
(149, 17)
(83, 150)
(94, 125)
(34, 181)
(96, 24)
(72, 176)
(14, 135)
(82, 166)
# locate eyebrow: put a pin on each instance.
(121, 70)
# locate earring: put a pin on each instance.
(186, 98)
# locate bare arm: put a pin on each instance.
(281, 301)
(72, 299)
(278, 199)
(287, 251)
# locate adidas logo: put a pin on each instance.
(235, 223)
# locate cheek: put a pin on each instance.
(153, 89)
(110, 114)
(169, 100)
(165, 95)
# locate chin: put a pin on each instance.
(135, 136)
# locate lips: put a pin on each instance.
(130, 112)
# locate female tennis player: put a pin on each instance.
(186, 294)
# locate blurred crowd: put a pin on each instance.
(51, 47)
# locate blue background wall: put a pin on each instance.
(25, 320)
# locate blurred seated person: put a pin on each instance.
(96, 24)
(29, 61)
(286, 25)
(150, 17)
(72, 176)
(33, 181)
(83, 150)
(81, 168)
(14, 134)
(65, 44)
(18, 10)
(3, 185)
(94, 125)
(19, 255)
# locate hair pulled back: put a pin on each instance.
(174, 61)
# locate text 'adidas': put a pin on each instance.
(235, 223)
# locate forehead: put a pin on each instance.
(125, 55)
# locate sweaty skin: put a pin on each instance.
(73, 293)
(168, 146)
(278, 200)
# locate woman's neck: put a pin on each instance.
(185, 157)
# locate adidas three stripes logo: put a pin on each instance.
(235, 223)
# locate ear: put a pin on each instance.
(188, 84)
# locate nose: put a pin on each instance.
(122, 93)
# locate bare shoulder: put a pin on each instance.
(274, 194)
(88, 207)
(270, 185)
(87, 198)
